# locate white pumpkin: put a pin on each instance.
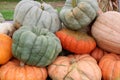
(7, 28)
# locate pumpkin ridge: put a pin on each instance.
(17, 46)
(51, 22)
(83, 12)
(99, 21)
(38, 18)
(75, 17)
(30, 55)
(20, 4)
(42, 54)
(113, 70)
(80, 71)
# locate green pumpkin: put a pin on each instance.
(33, 13)
(35, 46)
(78, 13)
(1, 18)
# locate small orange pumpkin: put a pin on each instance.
(13, 70)
(110, 66)
(98, 53)
(5, 48)
(76, 41)
(75, 67)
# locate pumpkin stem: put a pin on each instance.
(74, 3)
(119, 5)
(42, 7)
(22, 64)
(72, 61)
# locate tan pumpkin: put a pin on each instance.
(13, 70)
(106, 31)
(5, 48)
(74, 67)
(110, 66)
(98, 53)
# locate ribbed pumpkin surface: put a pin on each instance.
(106, 31)
(110, 66)
(14, 71)
(32, 13)
(74, 67)
(75, 41)
(35, 46)
(78, 13)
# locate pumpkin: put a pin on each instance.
(5, 48)
(7, 28)
(35, 46)
(13, 70)
(74, 67)
(1, 18)
(33, 13)
(110, 66)
(106, 29)
(98, 53)
(78, 13)
(76, 41)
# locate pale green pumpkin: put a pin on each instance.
(35, 46)
(33, 13)
(1, 18)
(78, 13)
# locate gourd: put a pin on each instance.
(7, 28)
(77, 14)
(110, 66)
(76, 41)
(98, 53)
(35, 46)
(74, 67)
(16, 70)
(5, 48)
(34, 14)
(106, 31)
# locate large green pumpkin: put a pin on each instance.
(1, 18)
(33, 13)
(35, 46)
(78, 13)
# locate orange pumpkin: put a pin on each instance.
(110, 66)
(74, 67)
(14, 71)
(98, 53)
(76, 41)
(5, 48)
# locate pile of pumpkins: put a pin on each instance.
(79, 43)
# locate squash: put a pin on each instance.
(14, 70)
(7, 28)
(110, 66)
(106, 31)
(5, 48)
(77, 14)
(35, 46)
(98, 53)
(76, 41)
(1, 18)
(75, 67)
(34, 14)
